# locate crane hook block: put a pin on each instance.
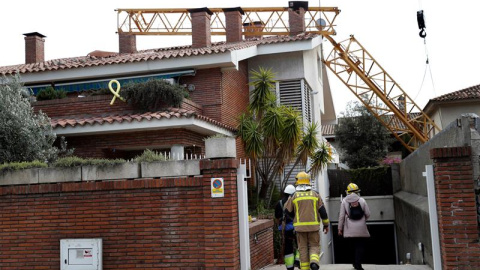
(420, 20)
(421, 24)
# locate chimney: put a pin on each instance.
(34, 48)
(127, 43)
(253, 27)
(296, 16)
(201, 36)
(233, 18)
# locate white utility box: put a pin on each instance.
(81, 254)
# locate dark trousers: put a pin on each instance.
(358, 245)
(289, 240)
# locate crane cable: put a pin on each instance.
(423, 34)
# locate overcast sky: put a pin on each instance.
(387, 29)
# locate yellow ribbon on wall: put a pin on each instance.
(116, 92)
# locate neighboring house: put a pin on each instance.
(449, 107)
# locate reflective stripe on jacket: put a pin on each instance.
(305, 206)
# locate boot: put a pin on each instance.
(314, 266)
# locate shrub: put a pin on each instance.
(24, 135)
(15, 166)
(77, 161)
(150, 156)
(50, 93)
(153, 94)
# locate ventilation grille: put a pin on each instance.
(296, 94)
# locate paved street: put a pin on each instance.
(365, 266)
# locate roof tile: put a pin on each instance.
(119, 118)
(145, 55)
(472, 92)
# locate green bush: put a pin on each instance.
(153, 94)
(150, 156)
(15, 166)
(77, 161)
(24, 134)
(50, 93)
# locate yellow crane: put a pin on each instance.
(348, 60)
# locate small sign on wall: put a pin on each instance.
(218, 189)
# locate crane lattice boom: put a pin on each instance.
(179, 21)
(379, 92)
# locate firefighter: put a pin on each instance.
(291, 256)
(306, 206)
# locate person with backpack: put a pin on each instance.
(352, 222)
(285, 225)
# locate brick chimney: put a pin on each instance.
(127, 43)
(201, 36)
(296, 16)
(253, 27)
(233, 18)
(34, 48)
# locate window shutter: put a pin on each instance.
(297, 94)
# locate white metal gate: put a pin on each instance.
(244, 233)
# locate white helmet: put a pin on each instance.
(290, 189)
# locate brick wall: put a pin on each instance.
(123, 145)
(208, 87)
(144, 223)
(261, 244)
(94, 105)
(235, 94)
(457, 213)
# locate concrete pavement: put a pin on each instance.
(349, 267)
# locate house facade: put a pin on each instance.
(215, 74)
(447, 108)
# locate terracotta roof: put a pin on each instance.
(131, 117)
(472, 92)
(146, 55)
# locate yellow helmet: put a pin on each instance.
(352, 188)
(302, 178)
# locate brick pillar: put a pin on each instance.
(296, 16)
(201, 36)
(456, 207)
(127, 43)
(222, 243)
(233, 18)
(34, 48)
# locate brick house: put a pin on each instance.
(216, 75)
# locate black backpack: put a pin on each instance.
(356, 212)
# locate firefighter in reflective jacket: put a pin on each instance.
(306, 207)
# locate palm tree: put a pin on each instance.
(274, 136)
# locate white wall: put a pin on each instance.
(286, 65)
(447, 113)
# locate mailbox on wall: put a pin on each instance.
(81, 254)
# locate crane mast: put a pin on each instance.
(348, 60)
